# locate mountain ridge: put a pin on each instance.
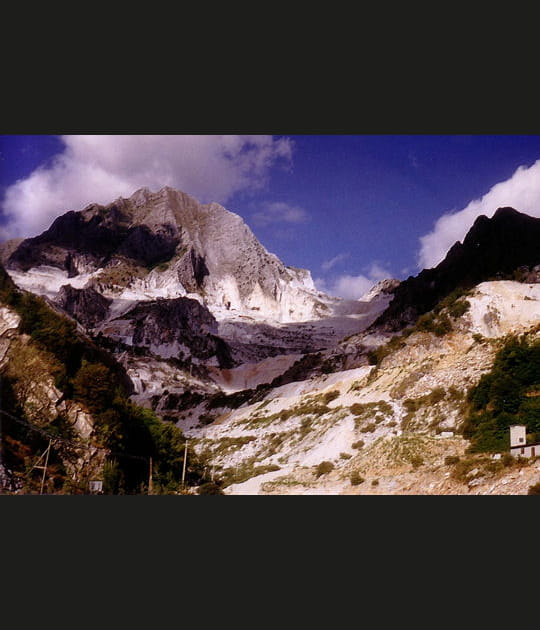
(497, 245)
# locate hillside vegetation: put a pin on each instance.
(508, 394)
(129, 434)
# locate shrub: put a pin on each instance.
(356, 479)
(206, 418)
(416, 461)
(450, 460)
(92, 385)
(210, 487)
(345, 456)
(329, 396)
(459, 308)
(375, 482)
(369, 428)
(436, 395)
(535, 489)
(413, 404)
(508, 460)
(358, 445)
(323, 468)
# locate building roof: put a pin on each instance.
(525, 445)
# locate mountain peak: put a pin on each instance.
(168, 243)
(493, 247)
(507, 212)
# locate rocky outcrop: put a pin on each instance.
(492, 249)
(179, 328)
(199, 248)
(87, 306)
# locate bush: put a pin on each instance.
(330, 396)
(210, 487)
(357, 409)
(436, 395)
(535, 489)
(416, 461)
(93, 385)
(375, 482)
(459, 308)
(323, 468)
(345, 456)
(358, 445)
(369, 428)
(356, 479)
(450, 460)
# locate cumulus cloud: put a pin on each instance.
(328, 264)
(100, 168)
(353, 287)
(279, 212)
(521, 191)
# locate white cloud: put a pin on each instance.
(353, 287)
(328, 264)
(521, 191)
(279, 212)
(99, 169)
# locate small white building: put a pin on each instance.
(518, 442)
(96, 486)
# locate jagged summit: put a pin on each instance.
(167, 244)
(493, 248)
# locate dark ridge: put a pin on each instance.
(98, 239)
(95, 238)
(147, 248)
(183, 320)
(493, 248)
(87, 306)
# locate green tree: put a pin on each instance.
(93, 386)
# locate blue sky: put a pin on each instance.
(350, 208)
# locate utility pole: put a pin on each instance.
(150, 486)
(2, 475)
(185, 460)
(45, 467)
(1, 464)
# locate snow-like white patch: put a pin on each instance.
(253, 485)
(46, 280)
(154, 285)
(318, 384)
(503, 306)
(336, 440)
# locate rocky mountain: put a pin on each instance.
(166, 244)
(163, 276)
(278, 387)
(493, 248)
(391, 428)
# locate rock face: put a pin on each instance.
(85, 305)
(491, 249)
(167, 244)
(180, 328)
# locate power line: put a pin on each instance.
(74, 444)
